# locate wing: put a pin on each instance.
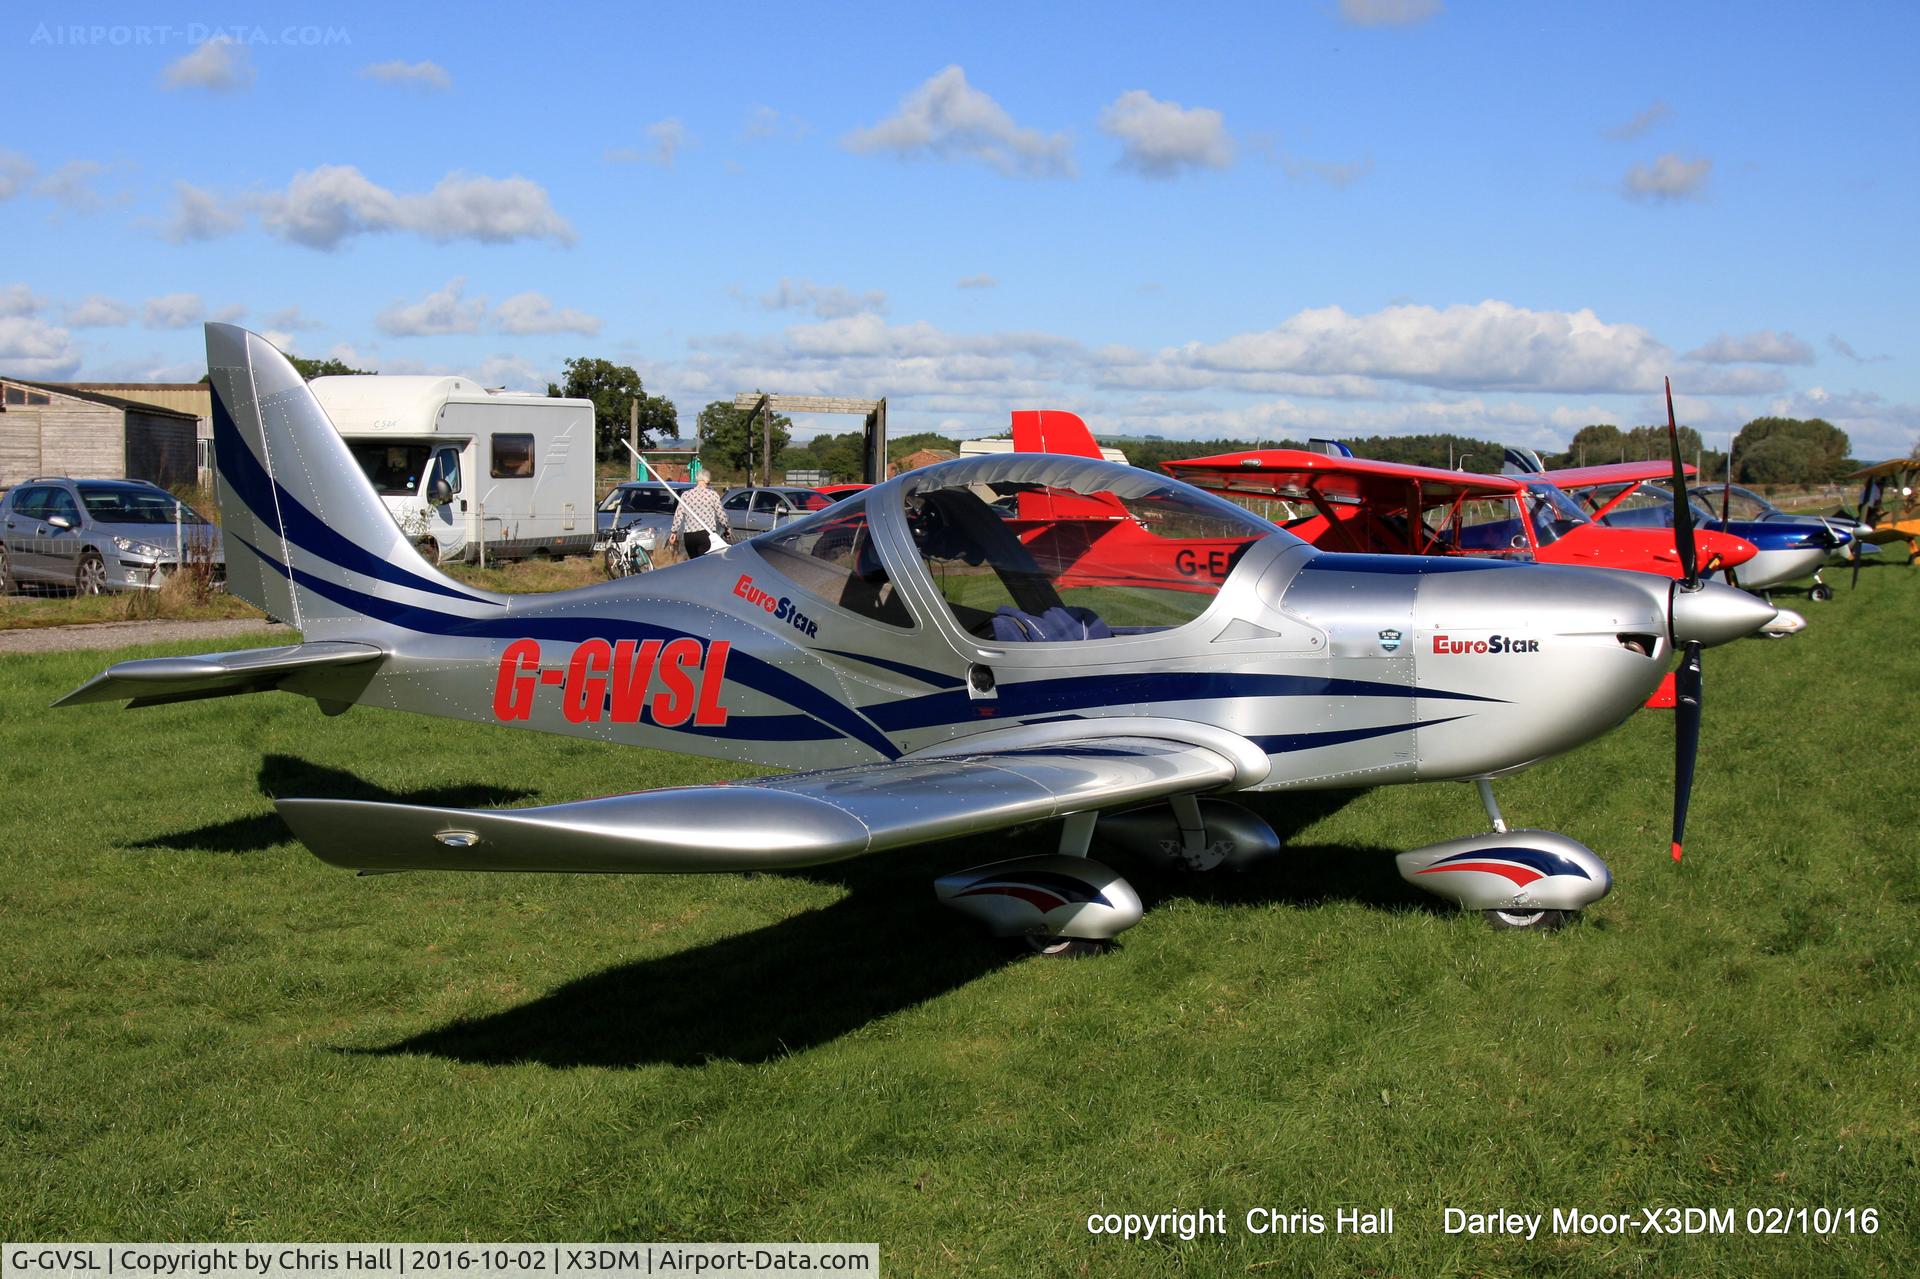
(155, 680)
(1298, 474)
(801, 819)
(1572, 478)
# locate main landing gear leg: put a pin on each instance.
(1518, 879)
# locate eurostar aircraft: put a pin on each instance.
(983, 644)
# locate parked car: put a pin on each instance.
(755, 510)
(841, 492)
(100, 535)
(647, 503)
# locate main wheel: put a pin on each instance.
(1539, 921)
(1065, 947)
(91, 579)
(1820, 593)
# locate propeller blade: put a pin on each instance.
(1687, 685)
(1682, 512)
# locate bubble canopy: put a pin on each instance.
(1041, 548)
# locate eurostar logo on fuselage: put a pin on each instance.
(782, 608)
(1495, 644)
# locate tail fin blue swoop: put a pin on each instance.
(307, 538)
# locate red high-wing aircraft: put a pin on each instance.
(1355, 504)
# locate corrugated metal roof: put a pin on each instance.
(97, 397)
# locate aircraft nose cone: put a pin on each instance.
(1713, 613)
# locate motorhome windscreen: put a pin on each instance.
(394, 468)
(1081, 552)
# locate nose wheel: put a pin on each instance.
(1538, 921)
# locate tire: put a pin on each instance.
(91, 577)
(616, 562)
(1065, 947)
(1821, 593)
(429, 550)
(1538, 921)
(6, 573)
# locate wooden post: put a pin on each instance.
(766, 444)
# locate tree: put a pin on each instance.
(329, 367)
(729, 437)
(613, 388)
(1820, 452)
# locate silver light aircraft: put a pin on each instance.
(981, 644)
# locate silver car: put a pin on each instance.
(643, 502)
(755, 510)
(100, 535)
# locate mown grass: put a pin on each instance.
(206, 1033)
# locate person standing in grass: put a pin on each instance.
(699, 511)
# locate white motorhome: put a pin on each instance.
(461, 467)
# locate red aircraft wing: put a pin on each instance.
(1362, 505)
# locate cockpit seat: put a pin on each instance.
(1058, 624)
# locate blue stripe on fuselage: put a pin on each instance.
(743, 668)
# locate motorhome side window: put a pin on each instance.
(512, 456)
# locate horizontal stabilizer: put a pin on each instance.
(154, 680)
(802, 819)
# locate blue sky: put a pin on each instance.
(1346, 216)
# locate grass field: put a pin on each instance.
(207, 1034)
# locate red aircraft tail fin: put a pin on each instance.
(1052, 431)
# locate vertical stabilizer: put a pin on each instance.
(307, 539)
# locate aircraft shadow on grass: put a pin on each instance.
(884, 947)
(290, 775)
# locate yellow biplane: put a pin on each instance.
(1889, 504)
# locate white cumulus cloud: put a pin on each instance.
(174, 311)
(1631, 129)
(413, 75)
(1761, 347)
(98, 312)
(18, 299)
(1491, 345)
(948, 119)
(199, 215)
(1668, 178)
(1164, 139)
(322, 208)
(15, 172)
(448, 310)
(825, 301)
(219, 65)
(533, 313)
(71, 185)
(440, 312)
(32, 348)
